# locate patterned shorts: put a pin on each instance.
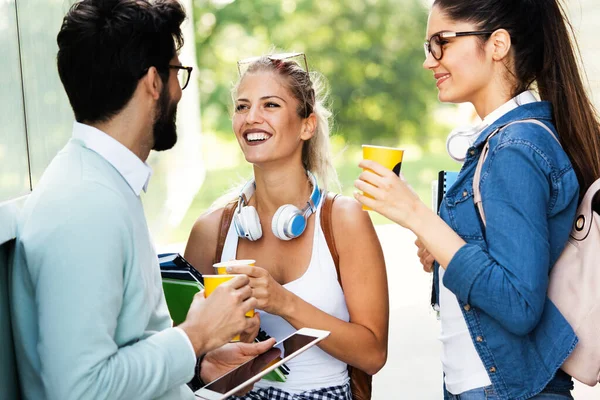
(341, 392)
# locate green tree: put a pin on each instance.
(369, 51)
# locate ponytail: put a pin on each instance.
(544, 51)
(560, 83)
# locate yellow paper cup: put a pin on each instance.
(221, 268)
(210, 284)
(389, 157)
(212, 281)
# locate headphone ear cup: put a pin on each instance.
(247, 223)
(288, 222)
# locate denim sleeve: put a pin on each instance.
(509, 280)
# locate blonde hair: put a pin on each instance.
(311, 92)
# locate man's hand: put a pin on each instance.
(214, 321)
(222, 360)
(251, 333)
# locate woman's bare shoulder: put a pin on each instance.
(202, 243)
(209, 220)
(347, 212)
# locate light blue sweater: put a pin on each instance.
(89, 315)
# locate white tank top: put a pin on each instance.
(319, 286)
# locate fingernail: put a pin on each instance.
(228, 269)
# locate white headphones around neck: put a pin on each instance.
(288, 222)
(461, 139)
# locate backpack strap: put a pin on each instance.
(360, 382)
(327, 227)
(484, 154)
(223, 229)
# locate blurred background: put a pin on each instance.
(370, 55)
(369, 51)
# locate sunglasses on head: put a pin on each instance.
(273, 57)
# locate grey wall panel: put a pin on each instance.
(48, 113)
(14, 168)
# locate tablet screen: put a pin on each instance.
(246, 371)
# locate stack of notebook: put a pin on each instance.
(181, 282)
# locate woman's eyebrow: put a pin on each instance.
(264, 98)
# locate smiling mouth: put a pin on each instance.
(441, 79)
(256, 137)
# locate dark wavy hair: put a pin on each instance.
(106, 46)
(545, 53)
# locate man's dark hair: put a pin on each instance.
(106, 46)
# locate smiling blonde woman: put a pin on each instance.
(282, 128)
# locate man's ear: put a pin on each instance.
(309, 127)
(152, 83)
(501, 44)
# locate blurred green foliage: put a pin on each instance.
(369, 51)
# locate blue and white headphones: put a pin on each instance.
(288, 222)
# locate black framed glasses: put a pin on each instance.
(183, 74)
(435, 44)
(273, 57)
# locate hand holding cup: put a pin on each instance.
(270, 295)
(212, 322)
(386, 193)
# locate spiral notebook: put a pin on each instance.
(439, 188)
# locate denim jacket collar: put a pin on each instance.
(540, 110)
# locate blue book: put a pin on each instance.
(174, 266)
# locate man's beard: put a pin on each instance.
(165, 129)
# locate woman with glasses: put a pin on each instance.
(501, 336)
(282, 127)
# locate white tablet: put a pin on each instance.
(254, 369)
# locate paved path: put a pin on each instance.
(413, 370)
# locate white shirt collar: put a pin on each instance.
(135, 172)
(462, 138)
(522, 98)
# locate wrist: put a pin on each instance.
(418, 218)
(197, 340)
(197, 382)
(288, 305)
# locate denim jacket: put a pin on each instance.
(500, 277)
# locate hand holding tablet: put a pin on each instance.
(254, 369)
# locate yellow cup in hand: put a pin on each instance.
(221, 268)
(210, 284)
(389, 157)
